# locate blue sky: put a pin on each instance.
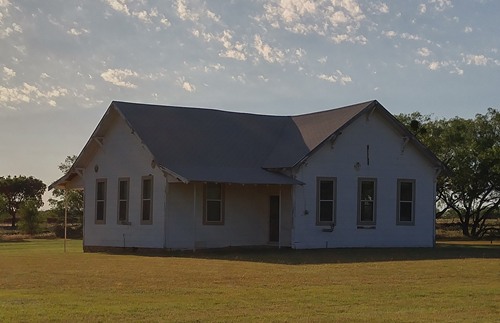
(62, 62)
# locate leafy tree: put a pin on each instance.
(3, 209)
(74, 200)
(17, 190)
(470, 148)
(30, 221)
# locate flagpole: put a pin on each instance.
(65, 216)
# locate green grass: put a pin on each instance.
(451, 283)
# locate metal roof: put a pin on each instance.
(218, 146)
(207, 145)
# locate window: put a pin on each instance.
(147, 200)
(325, 206)
(367, 201)
(100, 201)
(214, 206)
(406, 201)
(123, 192)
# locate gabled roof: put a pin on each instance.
(206, 145)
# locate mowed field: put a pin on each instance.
(455, 282)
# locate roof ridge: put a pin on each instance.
(332, 109)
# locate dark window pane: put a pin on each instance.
(122, 212)
(146, 188)
(367, 190)
(366, 212)
(214, 191)
(213, 211)
(405, 211)
(146, 210)
(101, 190)
(326, 211)
(123, 190)
(326, 190)
(406, 193)
(99, 211)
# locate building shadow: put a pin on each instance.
(287, 256)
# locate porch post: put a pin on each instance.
(194, 216)
(279, 220)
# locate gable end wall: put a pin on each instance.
(387, 163)
(123, 156)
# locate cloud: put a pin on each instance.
(468, 29)
(457, 71)
(338, 76)
(141, 11)
(422, 8)
(338, 20)
(8, 73)
(186, 85)
(239, 78)
(479, 60)
(441, 5)
(389, 34)
(433, 66)
(269, 54)
(7, 31)
(77, 32)
(185, 13)
(214, 67)
(164, 21)
(118, 77)
(231, 50)
(28, 93)
(424, 51)
(119, 5)
(380, 7)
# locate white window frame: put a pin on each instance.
(207, 200)
(412, 202)
(332, 199)
(145, 199)
(123, 200)
(99, 201)
(373, 201)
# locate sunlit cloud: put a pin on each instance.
(479, 60)
(119, 5)
(118, 77)
(28, 93)
(77, 32)
(8, 73)
(424, 51)
(185, 85)
(338, 20)
(441, 5)
(337, 77)
(269, 54)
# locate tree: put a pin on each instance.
(17, 190)
(470, 148)
(74, 200)
(30, 221)
(3, 208)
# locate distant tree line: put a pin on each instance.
(21, 200)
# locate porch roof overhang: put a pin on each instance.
(228, 175)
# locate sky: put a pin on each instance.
(62, 62)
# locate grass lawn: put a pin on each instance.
(451, 283)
